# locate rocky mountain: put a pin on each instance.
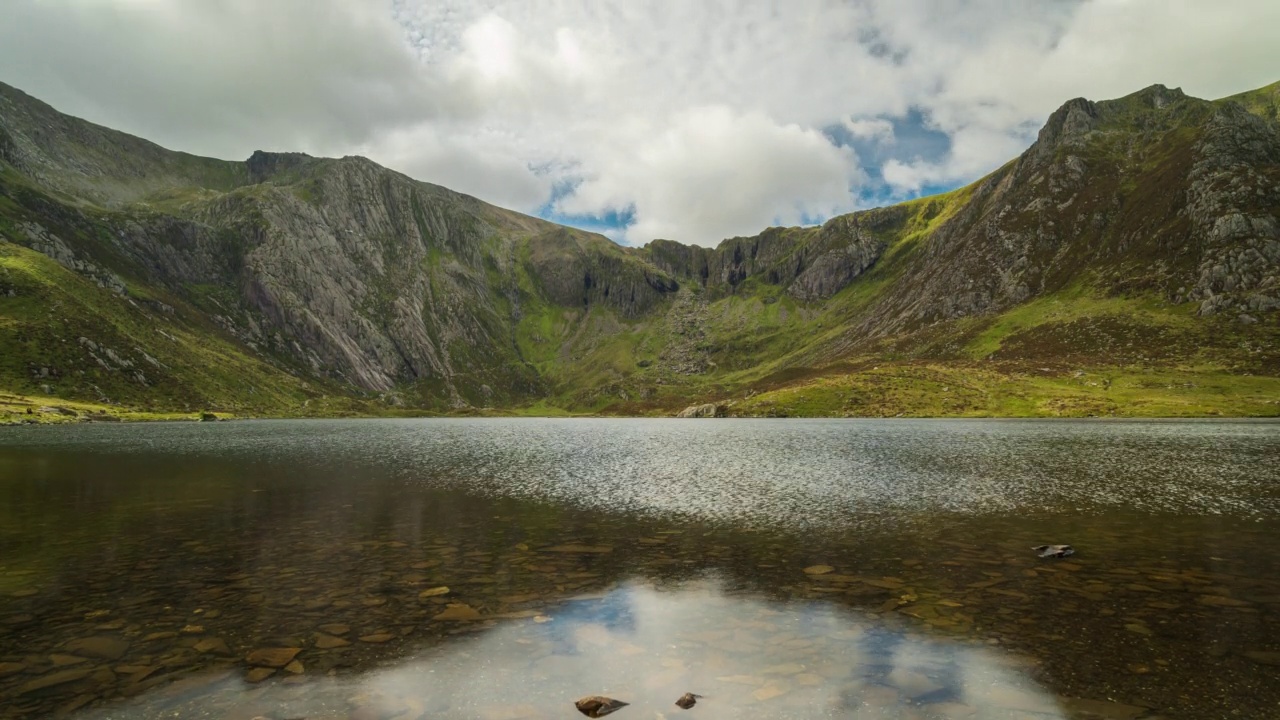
(1136, 237)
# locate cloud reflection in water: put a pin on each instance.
(648, 645)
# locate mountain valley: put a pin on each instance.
(1127, 264)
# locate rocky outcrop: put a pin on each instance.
(812, 264)
(575, 270)
(1112, 191)
(707, 410)
(1233, 203)
(843, 249)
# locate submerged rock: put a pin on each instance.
(329, 642)
(709, 410)
(458, 611)
(105, 648)
(272, 657)
(54, 679)
(595, 706)
(687, 700)
(1054, 551)
(258, 674)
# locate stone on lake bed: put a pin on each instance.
(216, 646)
(818, 570)
(377, 638)
(295, 667)
(336, 628)
(458, 612)
(329, 642)
(516, 615)
(433, 592)
(54, 679)
(258, 674)
(595, 706)
(60, 660)
(272, 657)
(11, 668)
(1054, 551)
(836, 579)
(105, 648)
(687, 700)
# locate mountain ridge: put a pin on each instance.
(348, 282)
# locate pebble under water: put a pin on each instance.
(501, 569)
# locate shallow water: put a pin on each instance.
(781, 568)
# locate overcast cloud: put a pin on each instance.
(690, 121)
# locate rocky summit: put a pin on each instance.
(1128, 263)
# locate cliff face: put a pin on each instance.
(811, 263)
(1153, 192)
(348, 273)
(340, 267)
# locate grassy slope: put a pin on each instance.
(192, 368)
(1072, 354)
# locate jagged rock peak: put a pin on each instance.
(1156, 96)
(1068, 125)
(265, 165)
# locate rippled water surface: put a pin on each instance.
(500, 569)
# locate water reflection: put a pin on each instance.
(502, 569)
(647, 645)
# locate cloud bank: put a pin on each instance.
(689, 121)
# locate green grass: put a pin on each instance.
(1072, 304)
(1264, 101)
(937, 390)
(191, 368)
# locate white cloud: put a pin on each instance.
(704, 118)
(222, 77)
(713, 173)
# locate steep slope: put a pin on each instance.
(340, 268)
(1137, 235)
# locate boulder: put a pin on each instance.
(708, 410)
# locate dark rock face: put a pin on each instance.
(1110, 189)
(576, 271)
(1233, 204)
(264, 166)
(846, 250)
(811, 263)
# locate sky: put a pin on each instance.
(691, 121)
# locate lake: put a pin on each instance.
(499, 569)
